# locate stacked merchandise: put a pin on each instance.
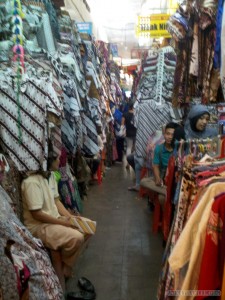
(156, 81)
(55, 95)
(198, 29)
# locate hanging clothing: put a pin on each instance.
(68, 190)
(150, 118)
(213, 257)
(186, 256)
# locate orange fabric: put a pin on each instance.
(223, 285)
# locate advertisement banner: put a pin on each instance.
(84, 27)
(154, 26)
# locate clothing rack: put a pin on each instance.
(211, 146)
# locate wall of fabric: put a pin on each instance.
(56, 87)
(197, 29)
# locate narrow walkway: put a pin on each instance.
(123, 258)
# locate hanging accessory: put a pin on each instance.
(18, 57)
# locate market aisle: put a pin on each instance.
(123, 258)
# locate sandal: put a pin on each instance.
(133, 189)
(85, 284)
(81, 295)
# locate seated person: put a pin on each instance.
(161, 157)
(47, 219)
(162, 154)
(196, 124)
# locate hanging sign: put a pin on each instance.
(153, 26)
(84, 27)
(114, 50)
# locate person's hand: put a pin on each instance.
(158, 181)
(66, 222)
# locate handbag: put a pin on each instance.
(122, 131)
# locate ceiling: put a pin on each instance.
(118, 19)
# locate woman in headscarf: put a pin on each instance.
(196, 124)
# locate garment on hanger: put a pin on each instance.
(149, 118)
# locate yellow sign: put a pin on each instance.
(153, 26)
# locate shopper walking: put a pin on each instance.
(128, 121)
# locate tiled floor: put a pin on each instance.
(123, 258)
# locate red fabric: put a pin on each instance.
(222, 150)
(23, 277)
(169, 180)
(211, 272)
(209, 173)
(115, 154)
(63, 157)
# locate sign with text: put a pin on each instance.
(153, 26)
(84, 27)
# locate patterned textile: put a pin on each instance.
(194, 65)
(49, 40)
(150, 118)
(187, 191)
(43, 283)
(56, 139)
(53, 17)
(207, 53)
(156, 82)
(185, 259)
(68, 190)
(180, 76)
(156, 138)
(11, 183)
(94, 111)
(30, 154)
(43, 67)
(90, 146)
(222, 69)
(72, 135)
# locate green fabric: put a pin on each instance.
(57, 176)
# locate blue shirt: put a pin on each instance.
(161, 156)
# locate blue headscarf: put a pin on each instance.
(195, 113)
